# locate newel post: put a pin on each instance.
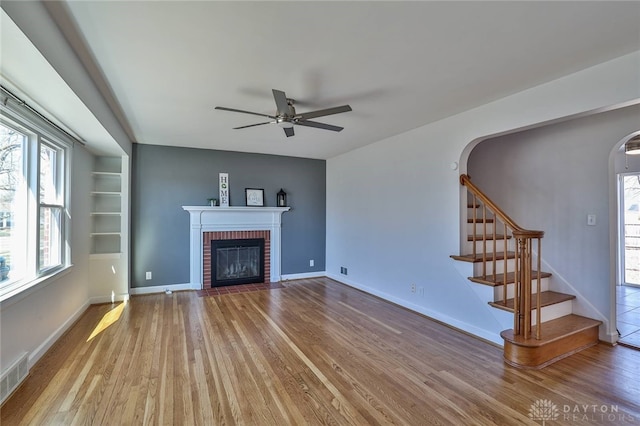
(523, 282)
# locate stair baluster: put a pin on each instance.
(523, 249)
(524, 346)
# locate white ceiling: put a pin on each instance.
(400, 65)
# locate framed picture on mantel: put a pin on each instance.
(254, 197)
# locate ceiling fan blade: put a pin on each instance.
(281, 101)
(252, 125)
(288, 131)
(244, 112)
(323, 112)
(319, 125)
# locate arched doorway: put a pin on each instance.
(627, 167)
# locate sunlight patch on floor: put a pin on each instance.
(109, 318)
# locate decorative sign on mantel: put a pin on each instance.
(224, 189)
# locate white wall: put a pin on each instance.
(33, 321)
(393, 208)
(550, 179)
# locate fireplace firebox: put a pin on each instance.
(238, 261)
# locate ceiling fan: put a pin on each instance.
(286, 116)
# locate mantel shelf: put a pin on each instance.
(235, 209)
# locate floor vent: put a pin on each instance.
(13, 376)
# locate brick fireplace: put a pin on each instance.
(207, 223)
(207, 237)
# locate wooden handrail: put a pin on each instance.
(523, 273)
(465, 180)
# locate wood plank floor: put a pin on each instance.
(313, 352)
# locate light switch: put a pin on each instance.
(591, 220)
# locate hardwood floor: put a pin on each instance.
(313, 352)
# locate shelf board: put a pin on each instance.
(106, 214)
(105, 193)
(114, 174)
(99, 234)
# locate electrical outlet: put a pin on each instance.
(413, 288)
(148, 275)
(312, 262)
(591, 220)
(343, 270)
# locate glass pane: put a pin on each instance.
(632, 229)
(13, 195)
(48, 175)
(50, 237)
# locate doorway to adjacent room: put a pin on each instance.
(628, 289)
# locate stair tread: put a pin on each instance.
(489, 237)
(479, 220)
(499, 278)
(547, 298)
(553, 330)
(478, 257)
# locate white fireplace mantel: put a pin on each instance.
(211, 219)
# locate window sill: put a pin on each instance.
(18, 291)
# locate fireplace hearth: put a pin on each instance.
(237, 261)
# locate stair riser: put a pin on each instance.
(497, 290)
(480, 228)
(477, 267)
(552, 312)
(490, 243)
(522, 356)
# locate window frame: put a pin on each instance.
(61, 183)
(39, 132)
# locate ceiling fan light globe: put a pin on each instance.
(285, 124)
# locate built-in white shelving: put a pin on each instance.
(107, 206)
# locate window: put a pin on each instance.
(51, 207)
(630, 228)
(34, 163)
(12, 202)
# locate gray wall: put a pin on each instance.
(166, 178)
(549, 179)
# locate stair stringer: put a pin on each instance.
(485, 295)
(580, 305)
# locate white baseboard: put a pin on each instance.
(611, 338)
(46, 345)
(452, 322)
(162, 288)
(97, 300)
(289, 277)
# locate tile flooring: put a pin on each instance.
(243, 288)
(628, 309)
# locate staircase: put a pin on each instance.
(507, 258)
